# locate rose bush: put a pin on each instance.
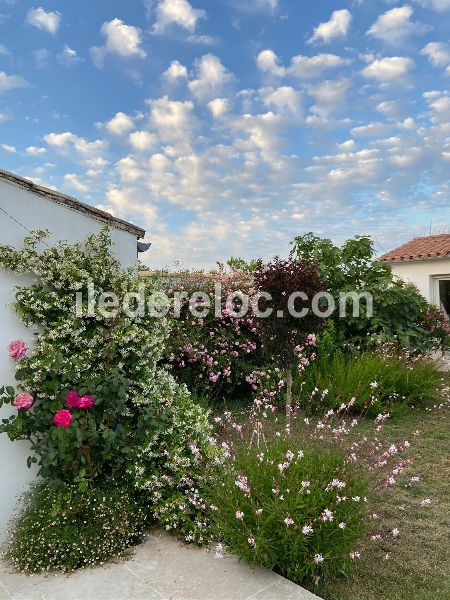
(95, 401)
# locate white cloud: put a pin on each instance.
(437, 53)
(337, 26)
(178, 12)
(8, 148)
(175, 71)
(308, 67)
(67, 141)
(47, 21)
(371, 129)
(218, 107)
(129, 169)
(68, 57)
(439, 5)
(171, 118)
(11, 82)
(120, 124)
(142, 140)
(73, 181)
(268, 62)
(34, 151)
(121, 39)
(394, 26)
(329, 96)
(212, 76)
(388, 69)
(264, 6)
(284, 99)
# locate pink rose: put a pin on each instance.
(23, 400)
(86, 402)
(73, 399)
(17, 349)
(63, 418)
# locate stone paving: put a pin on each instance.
(161, 568)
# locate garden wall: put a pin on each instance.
(33, 212)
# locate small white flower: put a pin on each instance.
(307, 529)
(341, 525)
(395, 532)
(318, 558)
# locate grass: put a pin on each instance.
(419, 563)
(419, 566)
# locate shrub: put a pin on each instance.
(64, 528)
(213, 354)
(96, 404)
(400, 312)
(281, 507)
(379, 383)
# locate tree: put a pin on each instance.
(399, 310)
(283, 331)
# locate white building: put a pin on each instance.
(425, 261)
(25, 207)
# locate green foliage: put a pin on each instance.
(400, 312)
(213, 353)
(282, 484)
(113, 359)
(379, 383)
(64, 528)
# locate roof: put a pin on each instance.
(421, 248)
(70, 202)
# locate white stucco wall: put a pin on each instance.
(423, 273)
(34, 212)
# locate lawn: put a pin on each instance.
(418, 567)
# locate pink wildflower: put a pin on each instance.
(318, 558)
(239, 515)
(288, 521)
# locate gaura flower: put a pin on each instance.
(63, 418)
(23, 400)
(17, 349)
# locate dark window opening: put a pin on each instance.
(444, 296)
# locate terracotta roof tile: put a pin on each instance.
(419, 248)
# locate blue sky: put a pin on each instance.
(227, 127)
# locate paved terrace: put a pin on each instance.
(161, 568)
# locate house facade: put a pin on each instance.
(25, 207)
(425, 261)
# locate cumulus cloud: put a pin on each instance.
(211, 77)
(47, 21)
(283, 99)
(175, 72)
(336, 27)
(121, 39)
(309, 67)
(388, 69)
(11, 82)
(120, 124)
(67, 141)
(176, 12)
(35, 151)
(268, 62)
(142, 140)
(329, 96)
(73, 181)
(68, 57)
(439, 5)
(437, 53)
(394, 26)
(218, 107)
(172, 119)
